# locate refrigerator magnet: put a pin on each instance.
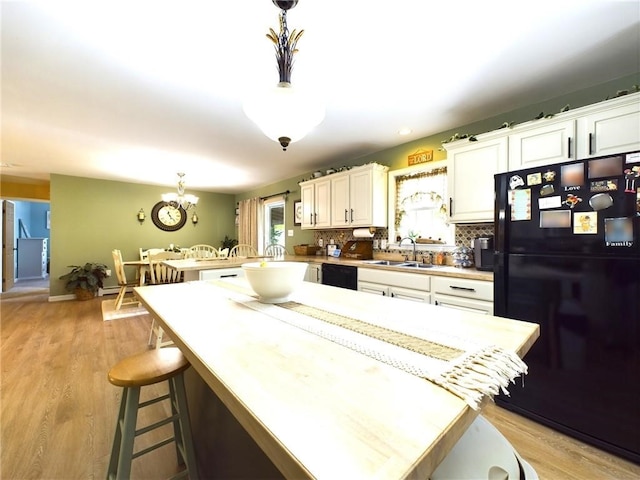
(585, 223)
(549, 202)
(604, 185)
(516, 181)
(618, 232)
(630, 177)
(600, 201)
(520, 204)
(546, 190)
(572, 200)
(605, 167)
(572, 176)
(549, 176)
(638, 201)
(534, 179)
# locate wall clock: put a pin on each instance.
(167, 217)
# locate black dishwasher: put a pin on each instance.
(340, 276)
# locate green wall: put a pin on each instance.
(89, 218)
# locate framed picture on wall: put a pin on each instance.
(297, 214)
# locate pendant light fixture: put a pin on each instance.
(283, 113)
(180, 199)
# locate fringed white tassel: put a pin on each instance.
(486, 372)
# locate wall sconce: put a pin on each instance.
(141, 216)
(194, 218)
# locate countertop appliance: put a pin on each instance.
(483, 253)
(567, 256)
(345, 276)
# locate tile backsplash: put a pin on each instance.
(463, 235)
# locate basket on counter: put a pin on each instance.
(305, 249)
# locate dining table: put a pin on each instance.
(333, 383)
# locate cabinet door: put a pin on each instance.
(375, 288)
(323, 204)
(313, 274)
(470, 171)
(307, 196)
(340, 201)
(464, 304)
(553, 142)
(361, 199)
(410, 294)
(615, 130)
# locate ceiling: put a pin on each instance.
(140, 90)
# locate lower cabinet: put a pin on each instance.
(314, 273)
(408, 286)
(219, 273)
(463, 294)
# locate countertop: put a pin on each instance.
(317, 409)
(211, 264)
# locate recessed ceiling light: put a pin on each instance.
(405, 131)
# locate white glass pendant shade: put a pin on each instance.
(284, 114)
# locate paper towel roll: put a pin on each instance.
(363, 232)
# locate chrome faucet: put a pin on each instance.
(415, 258)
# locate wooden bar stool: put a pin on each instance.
(132, 373)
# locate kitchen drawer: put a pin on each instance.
(414, 281)
(462, 287)
(218, 273)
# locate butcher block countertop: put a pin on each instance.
(211, 264)
(316, 408)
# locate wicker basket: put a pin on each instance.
(305, 249)
(82, 294)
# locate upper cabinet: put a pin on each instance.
(359, 197)
(470, 170)
(612, 129)
(552, 142)
(316, 203)
(353, 198)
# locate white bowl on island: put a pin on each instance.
(274, 281)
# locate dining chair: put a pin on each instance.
(202, 251)
(144, 252)
(275, 250)
(122, 298)
(161, 274)
(243, 250)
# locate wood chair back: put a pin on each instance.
(160, 273)
(144, 252)
(202, 251)
(275, 250)
(243, 250)
(119, 267)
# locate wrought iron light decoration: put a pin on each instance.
(180, 199)
(283, 113)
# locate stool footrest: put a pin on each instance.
(153, 400)
(153, 447)
(153, 426)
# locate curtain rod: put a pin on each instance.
(276, 194)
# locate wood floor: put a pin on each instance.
(58, 411)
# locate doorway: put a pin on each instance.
(273, 227)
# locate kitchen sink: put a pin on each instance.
(415, 265)
(388, 263)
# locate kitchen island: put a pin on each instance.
(315, 408)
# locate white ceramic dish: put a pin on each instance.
(274, 281)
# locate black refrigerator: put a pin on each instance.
(567, 256)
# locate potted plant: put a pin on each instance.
(85, 280)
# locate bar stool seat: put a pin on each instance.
(132, 373)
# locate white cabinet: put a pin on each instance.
(218, 273)
(407, 286)
(463, 294)
(542, 144)
(610, 127)
(470, 170)
(316, 203)
(359, 197)
(32, 258)
(313, 273)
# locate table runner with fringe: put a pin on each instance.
(464, 368)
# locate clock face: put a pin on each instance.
(167, 217)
